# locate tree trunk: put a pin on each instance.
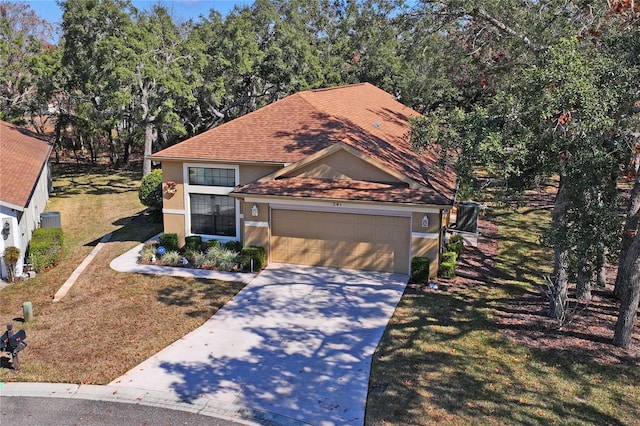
(148, 122)
(126, 152)
(148, 148)
(561, 255)
(629, 233)
(601, 266)
(93, 154)
(629, 271)
(114, 159)
(583, 285)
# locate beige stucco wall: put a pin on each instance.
(263, 212)
(434, 223)
(338, 165)
(256, 236)
(427, 247)
(423, 246)
(251, 172)
(172, 171)
(175, 223)
(343, 165)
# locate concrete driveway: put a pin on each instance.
(296, 341)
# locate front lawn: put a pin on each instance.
(109, 321)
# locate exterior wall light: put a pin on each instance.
(425, 221)
(254, 210)
(6, 229)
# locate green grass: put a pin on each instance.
(443, 359)
(521, 258)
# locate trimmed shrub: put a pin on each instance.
(11, 258)
(169, 241)
(455, 244)
(456, 239)
(233, 246)
(150, 191)
(447, 270)
(211, 243)
(450, 256)
(172, 258)
(257, 254)
(45, 247)
(420, 269)
(193, 243)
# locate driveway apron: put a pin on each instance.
(296, 341)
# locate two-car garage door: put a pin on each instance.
(341, 240)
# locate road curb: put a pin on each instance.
(201, 406)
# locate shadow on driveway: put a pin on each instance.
(296, 341)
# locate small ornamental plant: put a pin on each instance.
(170, 187)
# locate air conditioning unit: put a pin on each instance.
(467, 217)
(50, 220)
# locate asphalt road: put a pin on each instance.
(36, 411)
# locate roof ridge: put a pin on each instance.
(346, 86)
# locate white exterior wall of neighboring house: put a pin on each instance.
(10, 238)
(22, 223)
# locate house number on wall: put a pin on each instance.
(336, 204)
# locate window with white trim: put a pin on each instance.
(213, 215)
(212, 176)
(212, 211)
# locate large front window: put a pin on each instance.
(212, 211)
(213, 215)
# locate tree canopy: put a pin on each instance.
(527, 90)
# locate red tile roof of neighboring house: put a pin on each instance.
(22, 157)
(354, 190)
(360, 115)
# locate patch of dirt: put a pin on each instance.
(524, 319)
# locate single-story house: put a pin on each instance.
(322, 177)
(25, 182)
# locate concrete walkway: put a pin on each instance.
(62, 291)
(296, 341)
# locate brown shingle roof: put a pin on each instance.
(22, 157)
(360, 115)
(354, 190)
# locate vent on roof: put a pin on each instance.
(376, 124)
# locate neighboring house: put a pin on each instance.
(323, 177)
(25, 181)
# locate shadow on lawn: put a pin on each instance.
(137, 228)
(448, 359)
(216, 292)
(92, 179)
